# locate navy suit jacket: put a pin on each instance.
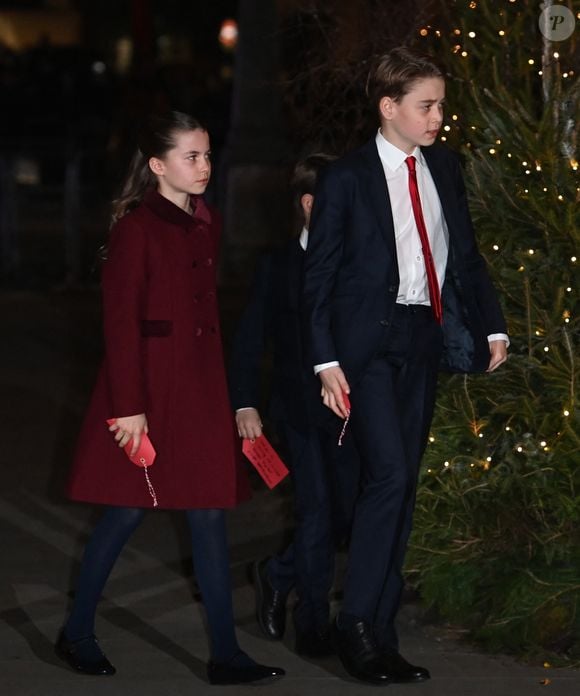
(351, 276)
(272, 320)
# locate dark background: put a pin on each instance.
(76, 77)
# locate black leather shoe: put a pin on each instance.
(72, 651)
(401, 671)
(270, 603)
(228, 673)
(358, 653)
(314, 643)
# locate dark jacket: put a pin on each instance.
(272, 321)
(351, 272)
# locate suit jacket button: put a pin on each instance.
(392, 288)
(384, 322)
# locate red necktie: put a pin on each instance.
(432, 282)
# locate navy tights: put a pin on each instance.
(210, 560)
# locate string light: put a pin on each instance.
(495, 247)
(566, 412)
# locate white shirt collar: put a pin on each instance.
(391, 156)
(304, 238)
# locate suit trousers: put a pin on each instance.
(392, 408)
(325, 480)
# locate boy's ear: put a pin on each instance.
(306, 201)
(386, 107)
(156, 166)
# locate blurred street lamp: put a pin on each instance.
(228, 35)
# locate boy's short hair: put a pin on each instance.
(394, 73)
(305, 176)
(306, 173)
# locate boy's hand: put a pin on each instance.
(333, 385)
(249, 423)
(130, 428)
(498, 353)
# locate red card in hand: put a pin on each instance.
(265, 460)
(346, 400)
(145, 455)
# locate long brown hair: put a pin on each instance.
(155, 138)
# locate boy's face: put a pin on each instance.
(417, 117)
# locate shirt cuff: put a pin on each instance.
(246, 408)
(499, 337)
(323, 366)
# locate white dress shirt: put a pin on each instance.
(413, 288)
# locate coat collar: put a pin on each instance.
(170, 212)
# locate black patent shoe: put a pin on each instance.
(270, 603)
(68, 650)
(358, 653)
(314, 643)
(227, 673)
(401, 671)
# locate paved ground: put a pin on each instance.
(151, 622)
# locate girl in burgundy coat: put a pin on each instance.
(162, 375)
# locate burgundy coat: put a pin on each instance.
(163, 357)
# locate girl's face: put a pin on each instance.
(186, 168)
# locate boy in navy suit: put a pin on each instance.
(325, 478)
(394, 285)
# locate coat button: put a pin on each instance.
(196, 297)
(208, 262)
(384, 322)
(210, 295)
(198, 331)
(213, 329)
(194, 264)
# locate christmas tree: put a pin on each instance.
(496, 545)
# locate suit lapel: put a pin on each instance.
(377, 190)
(444, 186)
